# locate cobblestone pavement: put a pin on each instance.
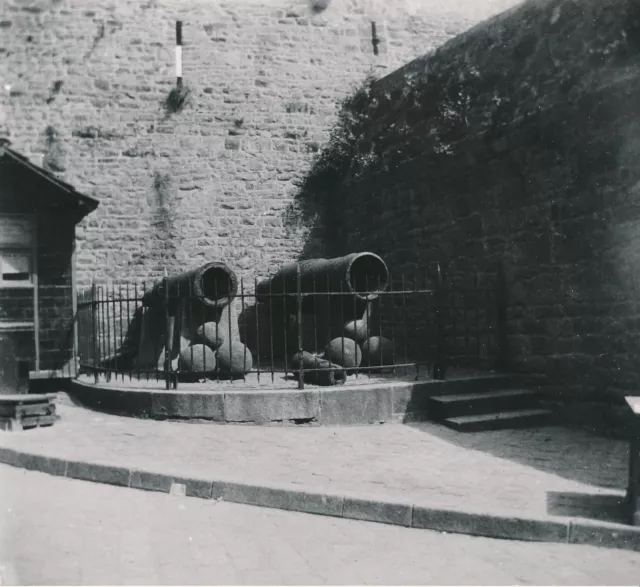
(553, 470)
(60, 531)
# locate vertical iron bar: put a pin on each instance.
(109, 354)
(454, 315)
(176, 324)
(416, 288)
(155, 347)
(115, 329)
(299, 307)
(218, 315)
(129, 319)
(122, 330)
(285, 333)
(404, 322)
(142, 325)
(174, 320)
(257, 310)
(192, 324)
(107, 307)
(104, 329)
(168, 335)
(476, 285)
(101, 331)
(191, 301)
(316, 306)
(466, 310)
(229, 320)
(503, 356)
(112, 305)
(244, 327)
(329, 313)
(355, 321)
(393, 325)
(271, 326)
(94, 330)
(439, 365)
(105, 326)
(342, 337)
(367, 317)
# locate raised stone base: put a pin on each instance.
(363, 403)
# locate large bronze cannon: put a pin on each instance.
(213, 284)
(181, 311)
(358, 276)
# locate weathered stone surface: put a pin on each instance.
(490, 151)
(233, 156)
(516, 142)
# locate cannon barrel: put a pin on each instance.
(214, 284)
(362, 275)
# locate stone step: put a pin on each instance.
(481, 383)
(466, 404)
(500, 420)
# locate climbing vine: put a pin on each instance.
(377, 130)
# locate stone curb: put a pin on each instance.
(388, 401)
(309, 500)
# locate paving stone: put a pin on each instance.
(514, 528)
(111, 475)
(376, 511)
(281, 498)
(52, 466)
(162, 483)
(423, 463)
(88, 533)
(608, 535)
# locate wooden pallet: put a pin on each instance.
(21, 412)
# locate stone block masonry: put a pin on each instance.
(84, 83)
(517, 142)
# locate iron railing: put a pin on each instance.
(420, 326)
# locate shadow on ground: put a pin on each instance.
(606, 508)
(569, 453)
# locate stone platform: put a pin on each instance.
(553, 484)
(363, 400)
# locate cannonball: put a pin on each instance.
(377, 350)
(211, 334)
(234, 359)
(344, 352)
(198, 358)
(357, 330)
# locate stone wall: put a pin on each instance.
(84, 82)
(515, 143)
